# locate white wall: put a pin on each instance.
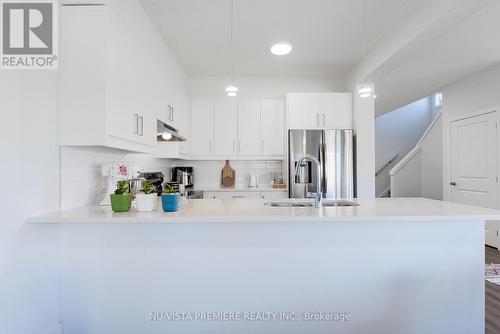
(399, 132)
(30, 183)
(208, 173)
(29, 283)
(364, 127)
(262, 87)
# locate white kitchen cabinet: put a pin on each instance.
(273, 195)
(319, 110)
(103, 87)
(272, 128)
(336, 111)
(227, 194)
(304, 110)
(226, 127)
(202, 127)
(249, 131)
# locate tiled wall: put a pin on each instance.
(81, 178)
(207, 173)
(82, 184)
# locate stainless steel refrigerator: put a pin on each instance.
(334, 149)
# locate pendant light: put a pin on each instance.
(232, 89)
(365, 90)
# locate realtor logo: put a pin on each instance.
(29, 39)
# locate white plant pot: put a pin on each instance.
(146, 203)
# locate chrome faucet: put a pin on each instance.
(319, 193)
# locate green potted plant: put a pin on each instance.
(170, 199)
(121, 199)
(146, 200)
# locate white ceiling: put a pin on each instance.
(465, 49)
(326, 34)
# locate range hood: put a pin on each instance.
(164, 131)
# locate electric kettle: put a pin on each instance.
(254, 180)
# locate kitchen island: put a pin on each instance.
(238, 266)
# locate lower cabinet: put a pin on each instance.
(271, 195)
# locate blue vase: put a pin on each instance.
(170, 202)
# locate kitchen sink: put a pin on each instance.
(290, 204)
(339, 203)
(297, 204)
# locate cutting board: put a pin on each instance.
(228, 176)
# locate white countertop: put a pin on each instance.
(248, 210)
(238, 188)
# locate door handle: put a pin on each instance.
(317, 119)
(169, 112)
(234, 145)
(324, 120)
(136, 129)
(141, 119)
(239, 146)
(210, 145)
(173, 110)
(453, 183)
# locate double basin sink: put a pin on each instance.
(306, 204)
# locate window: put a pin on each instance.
(438, 100)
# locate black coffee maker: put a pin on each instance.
(156, 178)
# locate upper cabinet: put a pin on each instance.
(319, 110)
(272, 127)
(114, 85)
(249, 130)
(103, 87)
(226, 128)
(202, 127)
(252, 129)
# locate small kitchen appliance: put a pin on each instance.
(183, 175)
(156, 178)
(254, 180)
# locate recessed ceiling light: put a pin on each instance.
(281, 49)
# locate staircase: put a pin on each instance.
(420, 172)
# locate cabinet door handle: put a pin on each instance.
(262, 146)
(317, 119)
(136, 119)
(239, 146)
(239, 196)
(141, 119)
(453, 184)
(234, 145)
(210, 143)
(169, 112)
(324, 120)
(173, 110)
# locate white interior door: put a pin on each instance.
(474, 165)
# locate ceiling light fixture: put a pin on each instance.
(365, 90)
(281, 49)
(231, 90)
